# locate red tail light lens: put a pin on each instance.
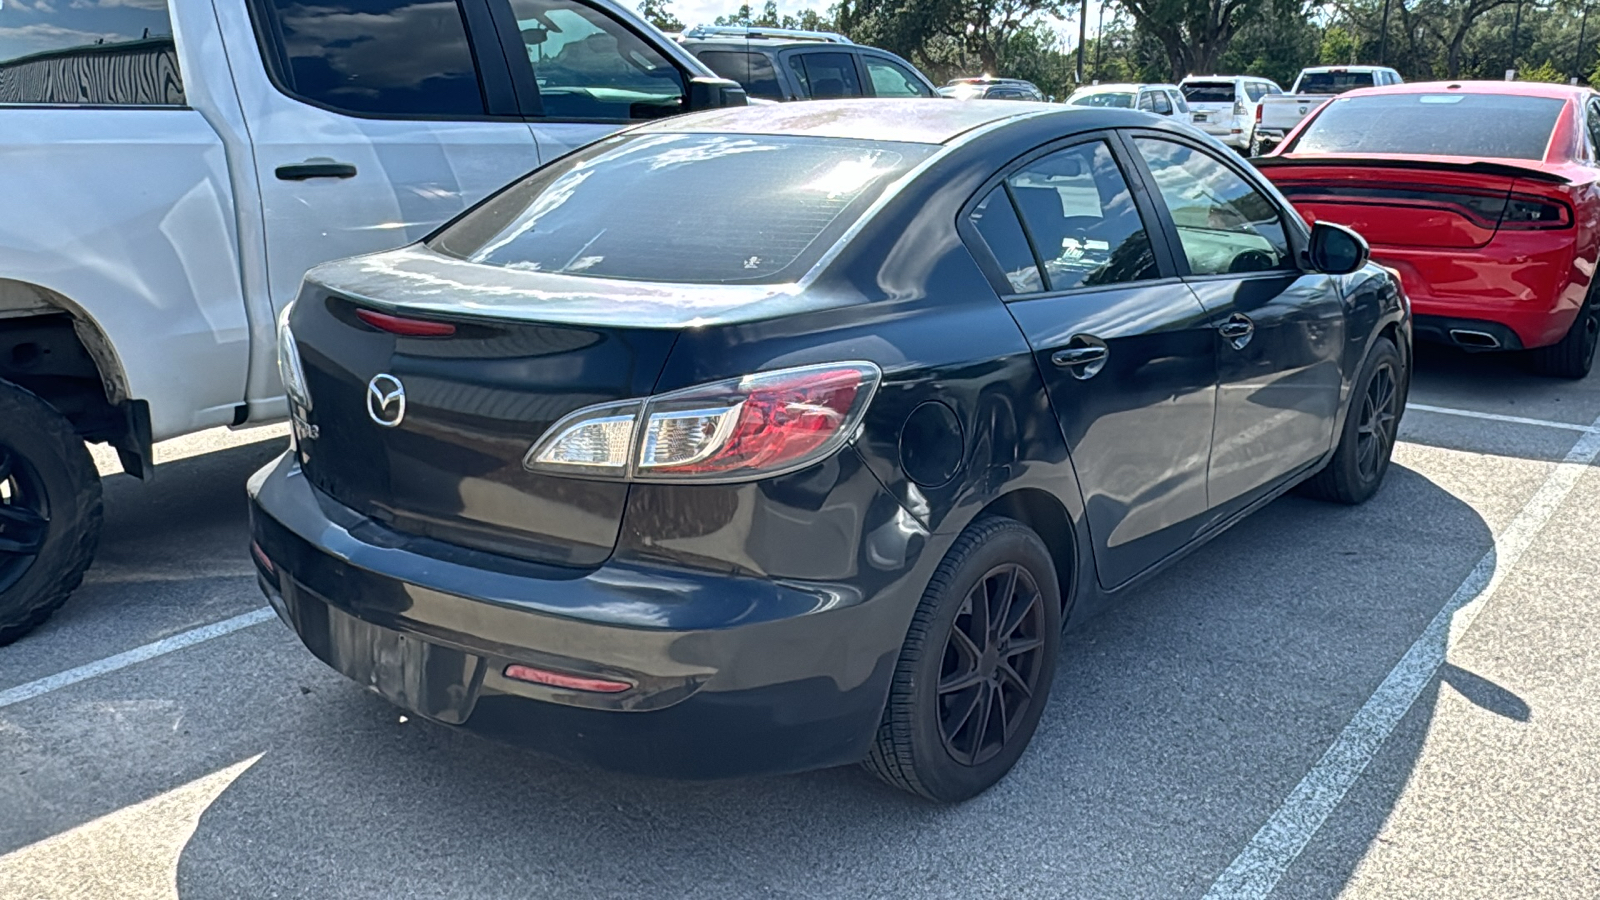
(742, 429)
(404, 326)
(1525, 212)
(563, 680)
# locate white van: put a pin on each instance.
(1225, 105)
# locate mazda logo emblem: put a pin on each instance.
(386, 400)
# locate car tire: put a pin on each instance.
(1573, 356)
(988, 628)
(1371, 424)
(50, 511)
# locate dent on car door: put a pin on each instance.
(1124, 349)
(1279, 330)
(377, 125)
(589, 72)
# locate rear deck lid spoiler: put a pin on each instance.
(1507, 169)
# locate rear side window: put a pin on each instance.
(1160, 105)
(683, 208)
(85, 53)
(752, 70)
(1081, 219)
(1255, 91)
(589, 66)
(826, 76)
(375, 57)
(1209, 91)
(1482, 125)
(996, 222)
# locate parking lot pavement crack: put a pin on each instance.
(1255, 872)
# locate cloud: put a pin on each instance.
(22, 40)
(153, 5)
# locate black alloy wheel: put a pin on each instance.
(991, 667)
(1573, 356)
(1371, 426)
(50, 511)
(1379, 422)
(976, 667)
(24, 516)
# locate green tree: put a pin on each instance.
(741, 17)
(1545, 71)
(659, 14)
(1196, 33)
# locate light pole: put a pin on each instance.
(1100, 37)
(1577, 56)
(1383, 37)
(1083, 35)
(1516, 25)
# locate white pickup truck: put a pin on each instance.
(1278, 115)
(173, 167)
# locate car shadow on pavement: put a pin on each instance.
(1179, 721)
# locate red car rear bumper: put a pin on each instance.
(1527, 282)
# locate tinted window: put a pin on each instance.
(997, 223)
(1493, 125)
(1333, 82)
(1225, 225)
(86, 53)
(1117, 99)
(389, 57)
(1594, 130)
(1178, 101)
(890, 79)
(1209, 91)
(1160, 104)
(826, 75)
(591, 67)
(753, 70)
(685, 208)
(1081, 219)
(1255, 91)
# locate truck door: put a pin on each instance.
(373, 121)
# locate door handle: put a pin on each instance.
(1237, 330)
(1084, 357)
(315, 168)
(1078, 356)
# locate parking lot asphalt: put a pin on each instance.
(1395, 700)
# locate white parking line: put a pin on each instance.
(1256, 870)
(1496, 417)
(137, 655)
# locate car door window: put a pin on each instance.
(752, 70)
(375, 57)
(826, 76)
(1160, 105)
(1145, 102)
(1224, 224)
(590, 66)
(1255, 91)
(1081, 219)
(1178, 103)
(89, 54)
(1594, 131)
(995, 220)
(890, 79)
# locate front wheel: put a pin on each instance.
(976, 666)
(49, 511)
(1371, 425)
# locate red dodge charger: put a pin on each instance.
(1482, 195)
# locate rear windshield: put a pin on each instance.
(682, 208)
(1104, 98)
(1209, 91)
(1492, 125)
(1333, 82)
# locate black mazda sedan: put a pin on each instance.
(784, 437)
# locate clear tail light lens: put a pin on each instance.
(1238, 107)
(741, 429)
(289, 369)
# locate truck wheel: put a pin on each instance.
(49, 511)
(1573, 356)
(976, 667)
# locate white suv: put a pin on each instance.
(1225, 105)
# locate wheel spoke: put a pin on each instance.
(978, 602)
(1018, 613)
(985, 714)
(1017, 648)
(1009, 674)
(999, 702)
(22, 531)
(968, 673)
(998, 612)
(967, 708)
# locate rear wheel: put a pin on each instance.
(976, 667)
(1370, 426)
(49, 511)
(1573, 356)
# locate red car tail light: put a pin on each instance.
(403, 326)
(563, 680)
(1529, 212)
(741, 429)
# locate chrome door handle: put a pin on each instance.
(1237, 330)
(1078, 356)
(1083, 357)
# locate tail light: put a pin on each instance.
(1525, 212)
(289, 369)
(1259, 107)
(741, 429)
(1238, 108)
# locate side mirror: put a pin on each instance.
(706, 92)
(1337, 250)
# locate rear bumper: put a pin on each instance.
(753, 676)
(1231, 130)
(1525, 283)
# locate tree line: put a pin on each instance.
(1164, 40)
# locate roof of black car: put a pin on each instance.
(920, 121)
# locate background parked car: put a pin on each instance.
(1279, 114)
(172, 170)
(750, 462)
(1225, 105)
(987, 87)
(1161, 99)
(786, 64)
(1483, 195)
